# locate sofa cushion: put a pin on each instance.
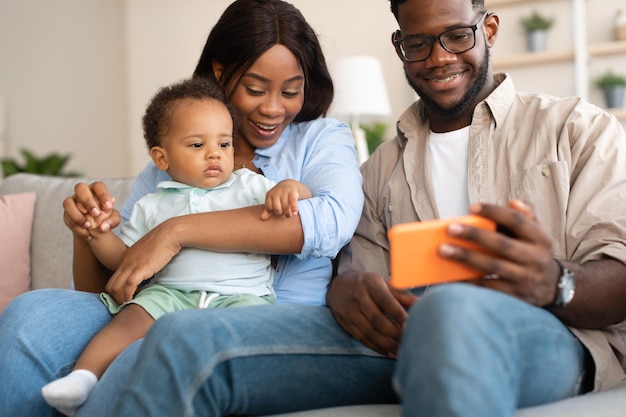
(16, 219)
(51, 248)
(609, 403)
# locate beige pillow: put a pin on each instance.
(16, 219)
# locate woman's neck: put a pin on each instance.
(244, 155)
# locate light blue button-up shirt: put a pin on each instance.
(321, 155)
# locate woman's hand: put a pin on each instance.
(522, 262)
(370, 310)
(142, 260)
(90, 206)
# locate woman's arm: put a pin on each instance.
(330, 170)
(239, 230)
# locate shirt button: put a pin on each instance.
(545, 172)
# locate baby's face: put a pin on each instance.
(198, 146)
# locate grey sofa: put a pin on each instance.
(51, 260)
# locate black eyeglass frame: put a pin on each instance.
(397, 42)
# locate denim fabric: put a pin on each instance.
(252, 360)
(42, 333)
(459, 340)
(463, 341)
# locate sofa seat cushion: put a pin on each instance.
(609, 403)
(16, 219)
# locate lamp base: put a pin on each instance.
(360, 143)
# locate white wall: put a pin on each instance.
(63, 78)
(76, 74)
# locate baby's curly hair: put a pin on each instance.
(156, 120)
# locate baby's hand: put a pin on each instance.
(282, 200)
(95, 222)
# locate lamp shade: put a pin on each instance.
(360, 89)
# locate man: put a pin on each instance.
(549, 170)
(471, 141)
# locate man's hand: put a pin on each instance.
(142, 260)
(524, 263)
(367, 308)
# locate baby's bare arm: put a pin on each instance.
(107, 246)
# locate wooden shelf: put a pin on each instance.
(533, 58)
(550, 57)
(607, 48)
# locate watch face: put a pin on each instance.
(568, 287)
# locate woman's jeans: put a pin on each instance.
(466, 351)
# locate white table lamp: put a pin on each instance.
(360, 92)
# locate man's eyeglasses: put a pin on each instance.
(416, 48)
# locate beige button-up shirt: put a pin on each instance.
(565, 156)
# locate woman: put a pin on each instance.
(269, 61)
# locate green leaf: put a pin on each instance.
(10, 167)
(51, 164)
(610, 79)
(536, 21)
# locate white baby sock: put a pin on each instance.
(67, 394)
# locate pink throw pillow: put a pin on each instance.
(16, 219)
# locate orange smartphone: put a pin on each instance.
(414, 256)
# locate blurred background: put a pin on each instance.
(76, 75)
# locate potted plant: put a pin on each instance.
(536, 26)
(51, 164)
(613, 86)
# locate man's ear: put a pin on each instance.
(218, 69)
(394, 37)
(159, 156)
(491, 25)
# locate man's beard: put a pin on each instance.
(462, 105)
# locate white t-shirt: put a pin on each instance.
(448, 161)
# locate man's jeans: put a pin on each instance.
(470, 351)
(279, 358)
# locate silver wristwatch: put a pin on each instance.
(566, 287)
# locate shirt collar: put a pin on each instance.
(501, 98)
(175, 185)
